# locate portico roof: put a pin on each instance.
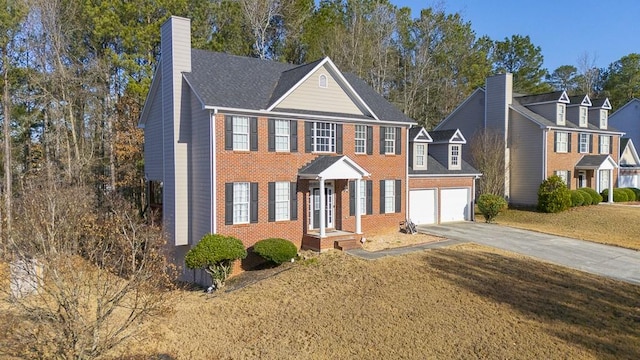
(596, 162)
(332, 168)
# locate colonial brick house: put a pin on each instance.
(546, 134)
(255, 149)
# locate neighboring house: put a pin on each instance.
(629, 175)
(546, 134)
(255, 149)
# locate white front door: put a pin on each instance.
(314, 207)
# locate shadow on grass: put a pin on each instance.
(597, 314)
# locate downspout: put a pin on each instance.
(545, 134)
(213, 157)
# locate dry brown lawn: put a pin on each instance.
(463, 302)
(392, 238)
(607, 224)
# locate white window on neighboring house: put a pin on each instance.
(361, 139)
(282, 135)
(605, 144)
(324, 137)
(560, 116)
(419, 155)
(240, 133)
(389, 140)
(584, 143)
(389, 196)
(454, 156)
(584, 119)
(564, 175)
(604, 180)
(241, 203)
(562, 142)
(603, 118)
(362, 196)
(282, 201)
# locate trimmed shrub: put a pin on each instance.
(553, 195)
(595, 197)
(215, 254)
(619, 195)
(631, 195)
(637, 192)
(587, 200)
(275, 250)
(490, 206)
(576, 198)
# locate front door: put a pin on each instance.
(582, 179)
(314, 202)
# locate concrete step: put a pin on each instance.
(347, 244)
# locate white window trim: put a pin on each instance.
(234, 123)
(586, 143)
(331, 137)
(584, 117)
(454, 160)
(287, 135)
(416, 164)
(603, 179)
(285, 199)
(389, 196)
(561, 114)
(236, 203)
(559, 142)
(390, 140)
(604, 119)
(605, 144)
(362, 196)
(323, 81)
(564, 175)
(363, 133)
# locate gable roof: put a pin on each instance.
(434, 167)
(634, 100)
(601, 103)
(626, 144)
(556, 96)
(332, 167)
(236, 82)
(582, 100)
(595, 162)
(419, 134)
(448, 136)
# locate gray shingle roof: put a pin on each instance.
(434, 167)
(319, 164)
(546, 97)
(515, 105)
(591, 161)
(442, 135)
(225, 80)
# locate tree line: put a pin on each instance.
(75, 74)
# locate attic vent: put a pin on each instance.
(322, 81)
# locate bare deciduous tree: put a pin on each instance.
(488, 155)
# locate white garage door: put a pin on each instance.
(422, 206)
(454, 205)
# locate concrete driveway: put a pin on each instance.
(614, 262)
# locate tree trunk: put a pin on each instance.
(6, 108)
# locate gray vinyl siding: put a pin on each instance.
(498, 98)
(469, 118)
(200, 167)
(526, 151)
(153, 142)
(626, 119)
(310, 96)
(549, 111)
(440, 152)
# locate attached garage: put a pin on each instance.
(455, 205)
(422, 206)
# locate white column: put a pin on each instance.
(610, 186)
(323, 212)
(358, 211)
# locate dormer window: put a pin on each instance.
(560, 116)
(584, 119)
(454, 157)
(603, 118)
(323, 81)
(420, 156)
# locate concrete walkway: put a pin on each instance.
(610, 261)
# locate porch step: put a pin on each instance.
(347, 244)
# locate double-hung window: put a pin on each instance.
(419, 155)
(240, 133)
(282, 200)
(584, 143)
(389, 196)
(241, 203)
(361, 139)
(605, 144)
(583, 117)
(562, 142)
(560, 115)
(324, 137)
(362, 196)
(454, 157)
(282, 135)
(603, 119)
(389, 140)
(564, 175)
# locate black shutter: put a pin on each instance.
(369, 140)
(569, 142)
(272, 201)
(398, 189)
(382, 139)
(555, 141)
(398, 140)
(228, 203)
(293, 201)
(293, 140)
(381, 196)
(253, 134)
(271, 130)
(369, 197)
(228, 133)
(339, 138)
(599, 144)
(590, 143)
(253, 212)
(569, 179)
(352, 198)
(308, 137)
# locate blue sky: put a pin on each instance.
(564, 29)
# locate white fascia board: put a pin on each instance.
(584, 130)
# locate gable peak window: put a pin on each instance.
(454, 156)
(560, 115)
(323, 81)
(603, 118)
(583, 117)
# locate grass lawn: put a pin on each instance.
(463, 302)
(608, 224)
